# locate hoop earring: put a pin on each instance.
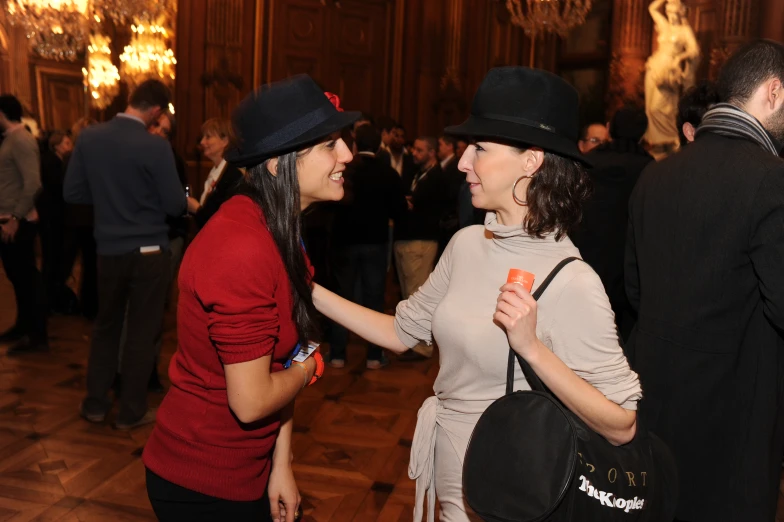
(514, 192)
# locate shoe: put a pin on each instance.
(147, 418)
(95, 418)
(154, 385)
(11, 335)
(411, 356)
(337, 363)
(27, 345)
(373, 364)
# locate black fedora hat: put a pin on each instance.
(526, 106)
(282, 117)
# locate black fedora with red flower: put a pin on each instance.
(284, 117)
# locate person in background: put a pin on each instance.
(692, 107)
(460, 147)
(222, 447)
(131, 179)
(601, 235)
(704, 271)
(448, 159)
(593, 135)
(393, 149)
(80, 240)
(54, 232)
(417, 234)
(20, 180)
(359, 251)
(216, 136)
(532, 183)
(166, 127)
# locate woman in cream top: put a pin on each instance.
(568, 337)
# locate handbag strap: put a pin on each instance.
(530, 376)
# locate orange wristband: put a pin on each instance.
(319, 368)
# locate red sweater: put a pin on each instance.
(235, 306)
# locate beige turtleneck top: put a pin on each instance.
(456, 306)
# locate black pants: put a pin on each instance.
(360, 273)
(80, 239)
(137, 282)
(54, 235)
(20, 268)
(173, 503)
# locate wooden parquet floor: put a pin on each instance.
(352, 438)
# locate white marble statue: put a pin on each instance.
(669, 71)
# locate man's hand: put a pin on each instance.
(9, 229)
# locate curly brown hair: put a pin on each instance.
(555, 197)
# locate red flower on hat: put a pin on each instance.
(334, 100)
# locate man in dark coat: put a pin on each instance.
(601, 236)
(704, 271)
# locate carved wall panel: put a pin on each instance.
(215, 69)
(705, 22)
(631, 46)
(345, 46)
(60, 98)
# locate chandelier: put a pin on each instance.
(122, 12)
(538, 17)
(55, 29)
(101, 78)
(548, 16)
(148, 55)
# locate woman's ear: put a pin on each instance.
(532, 160)
(272, 166)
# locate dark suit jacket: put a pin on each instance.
(431, 203)
(224, 189)
(601, 236)
(409, 167)
(374, 195)
(704, 269)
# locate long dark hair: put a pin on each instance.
(278, 198)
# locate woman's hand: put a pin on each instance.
(193, 205)
(284, 496)
(516, 312)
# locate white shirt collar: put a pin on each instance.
(128, 116)
(366, 153)
(212, 180)
(446, 161)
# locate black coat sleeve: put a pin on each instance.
(766, 246)
(225, 189)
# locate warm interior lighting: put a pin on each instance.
(101, 75)
(56, 29)
(148, 55)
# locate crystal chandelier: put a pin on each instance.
(100, 76)
(56, 29)
(121, 12)
(148, 55)
(537, 17)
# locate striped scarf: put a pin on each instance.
(728, 120)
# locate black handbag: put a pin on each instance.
(530, 459)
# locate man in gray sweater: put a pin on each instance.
(20, 180)
(130, 178)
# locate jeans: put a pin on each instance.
(19, 263)
(137, 283)
(360, 273)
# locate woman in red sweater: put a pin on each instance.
(221, 448)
